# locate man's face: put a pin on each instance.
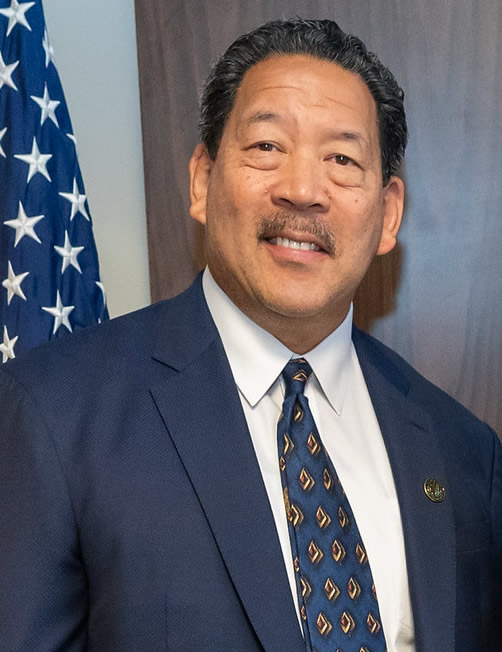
(293, 205)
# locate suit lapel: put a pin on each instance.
(201, 409)
(429, 535)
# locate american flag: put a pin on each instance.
(49, 274)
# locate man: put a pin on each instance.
(142, 491)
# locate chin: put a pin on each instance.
(296, 308)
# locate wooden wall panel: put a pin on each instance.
(438, 298)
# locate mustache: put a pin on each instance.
(274, 224)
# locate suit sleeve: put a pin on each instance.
(43, 589)
(496, 515)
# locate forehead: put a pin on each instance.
(303, 83)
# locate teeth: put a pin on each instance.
(293, 244)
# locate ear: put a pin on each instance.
(200, 168)
(393, 198)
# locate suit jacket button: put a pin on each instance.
(434, 490)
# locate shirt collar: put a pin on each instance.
(257, 358)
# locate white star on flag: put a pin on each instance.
(7, 346)
(69, 254)
(16, 14)
(6, 73)
(13, 284)
(102, 288)
(60, 314)
(48, 107)
(36, 161)
(49, 50)
(77, 201)
(24, 225)
(2, 134)
(73, 140)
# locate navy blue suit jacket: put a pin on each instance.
(133, 516)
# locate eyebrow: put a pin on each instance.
(261, 116)
(350, 136)
(331, 133)
(347, 135)
(334, 134)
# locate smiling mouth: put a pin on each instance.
(298, 232)
(294, 244)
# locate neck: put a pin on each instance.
(300, 331)
(299, 334)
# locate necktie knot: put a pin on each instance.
(295, 374)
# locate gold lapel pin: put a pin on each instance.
(434, 490)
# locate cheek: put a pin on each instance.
(354, 212)
(229, 223)
(358, 226)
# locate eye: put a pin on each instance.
(341, 159)
(345, 171)
(265, 147)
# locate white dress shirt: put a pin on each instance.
(346, 421)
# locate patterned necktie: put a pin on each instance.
(337, 598)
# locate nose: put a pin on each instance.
(300, 185)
